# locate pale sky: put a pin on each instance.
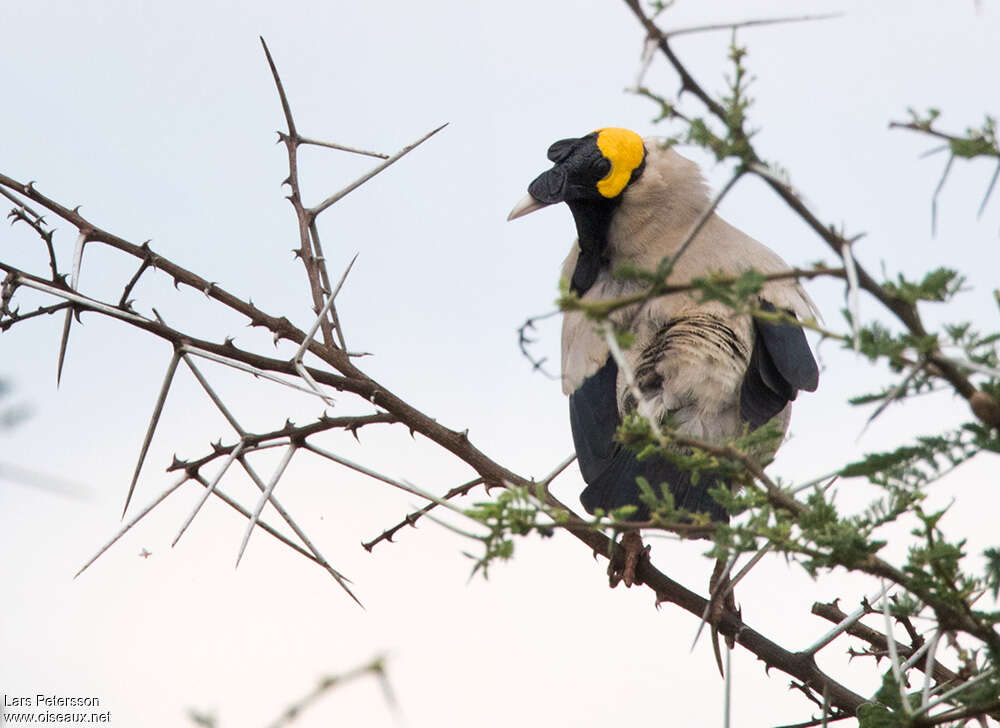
(159, 119)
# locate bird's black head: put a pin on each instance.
(589, 174)
(597, 167)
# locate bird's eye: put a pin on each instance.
(602, 166)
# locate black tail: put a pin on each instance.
(616, 487)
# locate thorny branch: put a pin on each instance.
(412, 518)
(832, 612)
(309, 246)
(375, 668)
(336, 370)
(343, 375)
(983, 405)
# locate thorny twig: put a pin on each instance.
(983, 405)
(338, 371)
(376, 668)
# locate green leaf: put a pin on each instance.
(873, 715)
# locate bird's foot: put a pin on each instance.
(634, 549)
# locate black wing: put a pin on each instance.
(610, 470)
(780, 365)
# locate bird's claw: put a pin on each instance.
(634, 549)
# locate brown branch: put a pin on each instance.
(412, 518)
(307, 252)
(796, 664)
(833, 613)
(35, 221)
(821, 721)
(606, 306)
(376, 668)
(687, 81)
(926, 128)
(948, 616)
(15, 317)
(800, 666)
(123, 302)
(289, 432)
(959, 714)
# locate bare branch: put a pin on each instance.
(308, 252)
(412, 518)
(876, 639)
(376, 667)
(40, 311)
(23, 213)
(123, 302)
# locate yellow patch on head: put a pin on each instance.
(623, 148)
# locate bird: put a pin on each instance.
(711, 372)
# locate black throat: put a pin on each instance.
(593, 219)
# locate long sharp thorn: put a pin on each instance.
(937, 192)
(989, 191)
(343, 276)
(262, 523)
(333, 310)
(894, 654)
(718, 654)
(220, 405)
(712, 597)
(853, 303)
(402, 485)
(264, 498)
(281, 90)
(749, 23)
(841, 627)
(378, 168)
(207, 387)
(154, 420)
(925, 694)
(343, 148)
(209, 489)
(135, 519)
(727, 585)
(74, 281)
(85, 302)
(327, 307)
(892, 396)
(304, 373)
(235, 364)
(67, 322)
(316, 555)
